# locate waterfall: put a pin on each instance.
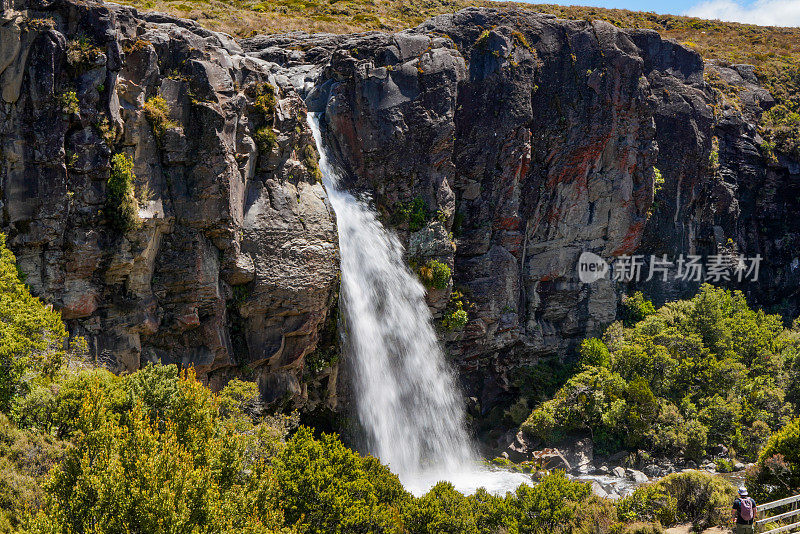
(406, 397)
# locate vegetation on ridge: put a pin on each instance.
(690, 375)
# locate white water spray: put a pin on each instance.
(407, 399)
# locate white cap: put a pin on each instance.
(742, 491)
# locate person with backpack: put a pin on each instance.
(744, 512)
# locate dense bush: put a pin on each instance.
(265, 139)
(121, 205)
(636, 308)
(693, 496)
(435, 275)
(697, 372)
(414, 213)
(156, 110)
(777, 473)
(330, 488)
(31, 334)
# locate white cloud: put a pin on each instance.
(762, 12)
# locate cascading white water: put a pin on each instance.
(407, 400)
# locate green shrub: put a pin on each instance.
(238, 397)
(593, 352)
(329, 488)
(121, 205)
(781, 131)
(82, 54)
(435, 275)
(127, 473)
(693, 496)
(442, 510)
(311, 162)
(265, 101)
(700, 371)
(658, 181)
(643, 528)
(68, 102)
(636, 308)
(156, 110)
(455, 316)
(265, 139)
(31, 334)
(777, 473)
(25, 459)
(414, 213)
(724, 465)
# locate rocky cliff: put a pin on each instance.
(500, 143)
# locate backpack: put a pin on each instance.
(747, 508)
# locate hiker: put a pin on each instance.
(744, 512)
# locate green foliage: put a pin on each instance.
(156, 110)
(556, 505)
(128, 472)
(238, 397)
(332, 489)
(82, 54)
(31, 334)
(121, 205)
(777, 473)
(781, 130)
(594, 352)
(658, 181)
(455, 317)
(265, 139)
(692, 496)
(311, 162)
(25, 458)
(68, 103)
(635, 308)
(704, 371)
(265, 101)
(435, 275)
(414, 213)
(724, 465)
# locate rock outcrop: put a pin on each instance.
(232, 266)
(499, 142)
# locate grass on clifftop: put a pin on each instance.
(774, 51)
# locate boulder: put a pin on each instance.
(637, 476)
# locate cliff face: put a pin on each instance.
(233, 266)
(501, 143)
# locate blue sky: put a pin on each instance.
(676, 7)
(764, 12)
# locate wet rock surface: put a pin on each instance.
(501, 143)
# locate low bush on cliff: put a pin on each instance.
(694, 373)
(413, 213)
(434, 275)
(156, 110)
(122, 208)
